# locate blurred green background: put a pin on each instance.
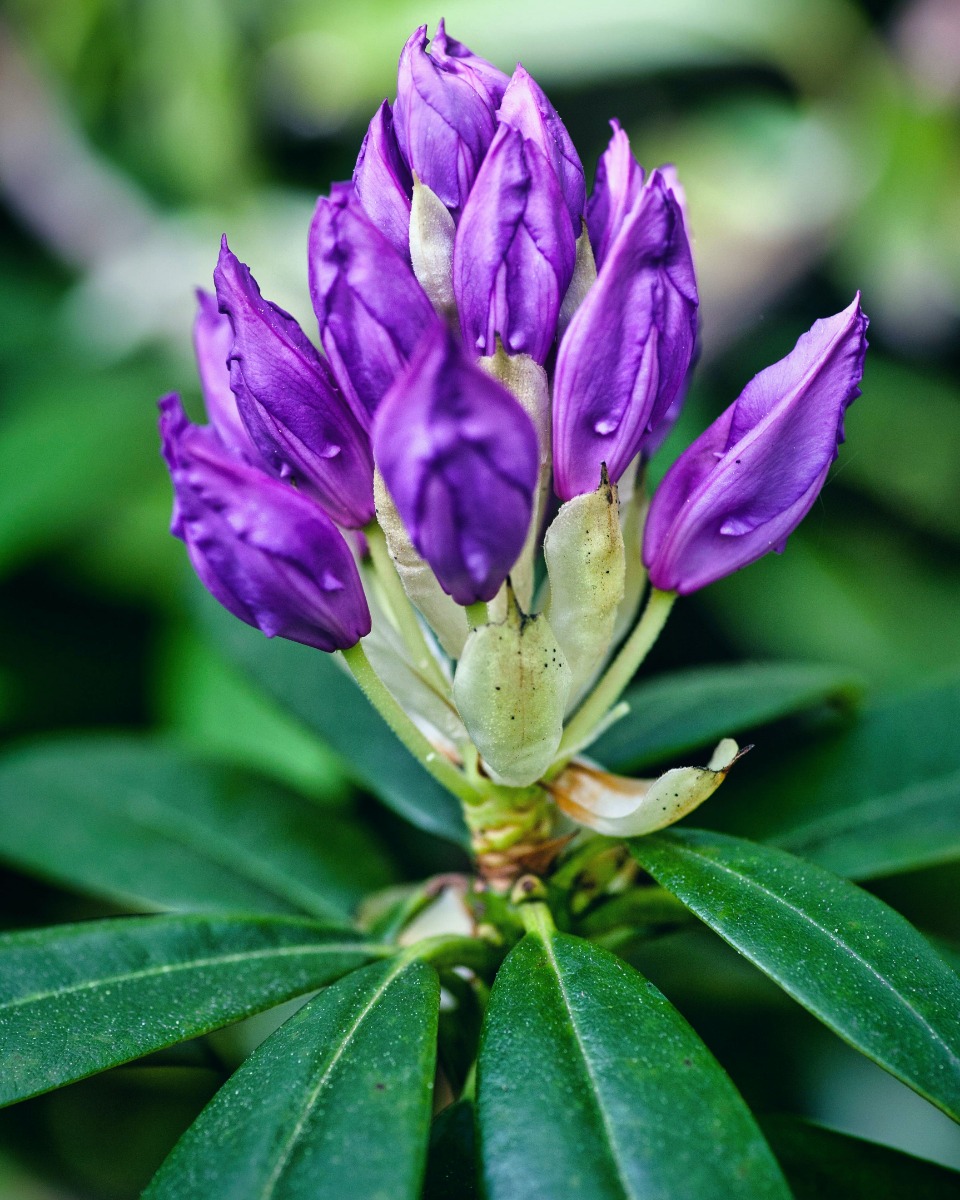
(819, 144)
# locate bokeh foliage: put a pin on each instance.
(819, 144)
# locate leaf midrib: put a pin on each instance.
(193, 964)
(844, 946)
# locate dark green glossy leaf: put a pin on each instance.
(146, 825)
(843, 954)
(822, 1164)
(879, 797)
(452, 1161)
(335, 1104)
(677, 713)
(80, 998)
(317, 689)
(590, 1084)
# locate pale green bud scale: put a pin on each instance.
(431, 247)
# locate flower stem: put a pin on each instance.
(402, 610)
(537, 918)
(477, 614)
(429, 758)
(607, 692)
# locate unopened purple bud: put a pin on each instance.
(300, 422)
(212, 342)
(746, 483)
(371, 309)
(460, 460)
(444, 121)
(382, 181)
(628, 349)
(616, 190)
(269, 554)
(514, 253)
(526, 109)
(483, 76)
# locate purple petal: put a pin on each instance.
(444, 121)
(626, 354)
(526, 109)
(212, 342)
(300, 422)
(616, 190)
(460, 459)
(382, 181)
(269, 554)
(371, 309)
(515, 251)
(454, 56)
(750, 478)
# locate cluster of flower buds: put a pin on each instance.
(493, 341)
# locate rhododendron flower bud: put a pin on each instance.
(628, 349)
(746, 483)
(289, 402)
(269, 554)
(383, 182)
(444, 118)
(514, 253)
(212, 342)
(459, 457)
(371, 310)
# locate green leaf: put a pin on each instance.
(878, 797)
(591, 1084)
(81, 998)
(822, 1164)
(853, 962)
(677, 713)
(315, 688)
(146, 825)
(336, 1103)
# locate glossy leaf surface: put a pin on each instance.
(677, 713)
(322, 694)
(843, 954)
(336, 1103)
(879, 797)
(148, 826)
(78, 999)
(591, 1084)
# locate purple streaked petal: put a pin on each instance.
(269, 554)
(514, 253)
(212, 342)
(460, 459)
(626, 354)
(300, 422)
(382, 181)
(526, 109)
(746, 483)
(371, 309)
(444, 122)
(483, 76)
(616, 191)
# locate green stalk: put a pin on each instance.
(443, 771)
(608, 691)
(402, 610)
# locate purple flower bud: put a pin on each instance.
(454, 56)
(628, 349)
(269, 554)
(444, 119)
(746, 483)
(526, 109)
(382, 181)
(460, 459)
(213, 341)
(300, 422)
(616, 190)
(371, 309)
(514, 253)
